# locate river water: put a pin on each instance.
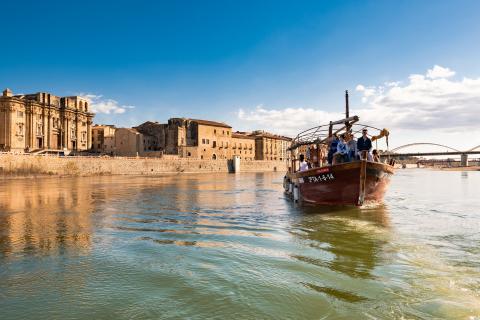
(232, 246)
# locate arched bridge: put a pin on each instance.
(424, 144)
(450, 151)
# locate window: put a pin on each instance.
(223, 131)
(228, 133)
(214, 131)
(189, 154)
(20, 129)
(214, 144)
(203, 141)
(208, 141)
(20, 114)
(39, 129)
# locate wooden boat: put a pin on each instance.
(348, 183)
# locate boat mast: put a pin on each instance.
(347, 112)
(347, 107)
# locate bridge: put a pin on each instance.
(450, 152)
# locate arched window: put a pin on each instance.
(214, 157)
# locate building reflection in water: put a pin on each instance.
(44, 216)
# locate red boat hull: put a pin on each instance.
(341, 184)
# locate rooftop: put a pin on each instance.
(210, 123)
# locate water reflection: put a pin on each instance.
(346, 241)
(39, 217)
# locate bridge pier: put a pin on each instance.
(464, 160)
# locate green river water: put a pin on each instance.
(220, 246)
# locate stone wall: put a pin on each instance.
(11, 164)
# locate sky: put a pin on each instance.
(282, 66)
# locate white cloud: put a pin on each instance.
(431, 104)
(286, 121)
(439, 72)
(99, 104)
(428, 101)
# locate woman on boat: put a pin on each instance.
(352, 147)
(303, 163)
(342, 151)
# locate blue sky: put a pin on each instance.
(211, 59)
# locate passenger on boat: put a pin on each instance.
(333, 148)
(342, 151)
(352, 147)
(376, 156)
(323, 155)
(303, 163)
(364, 144)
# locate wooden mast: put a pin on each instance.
(347, 107)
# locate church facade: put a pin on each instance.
(39, 121)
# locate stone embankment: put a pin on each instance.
(28, 165)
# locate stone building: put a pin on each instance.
(103, 139)
(271, 147)
(191, 138)
(204, 139)
(243, 146)
(42, 120)
(130, 142)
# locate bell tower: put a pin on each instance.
(7, 93)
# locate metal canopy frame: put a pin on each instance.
(320, 134)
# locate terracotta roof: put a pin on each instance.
(242, 135)
(210, 123)
(271, 136)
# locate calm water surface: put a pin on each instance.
(222, 245)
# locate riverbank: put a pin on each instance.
(12, 165)
(472, 168)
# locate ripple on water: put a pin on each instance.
(221, 245)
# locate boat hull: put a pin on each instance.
(352, 183)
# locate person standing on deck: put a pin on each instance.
(303, 163)
(333, 148)
(352, 147)
(364, 144)
(342, 151)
